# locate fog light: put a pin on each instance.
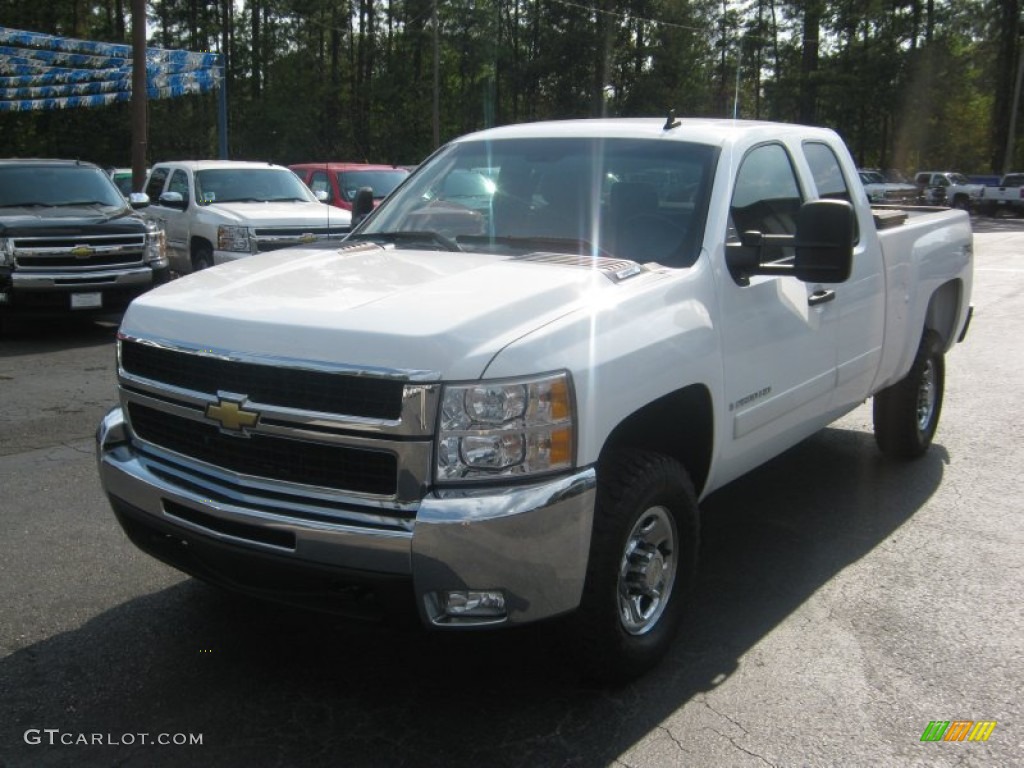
(473, 604)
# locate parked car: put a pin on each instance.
(216, 211)
(881, 191)
(945, 188)
(70, 242)
(337, 183)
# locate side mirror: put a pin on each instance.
(138, 200)
(321, 195)
(826, 231)
(362, 205)
(172, 200)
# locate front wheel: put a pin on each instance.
(906, 414)
(643, 557)
(202, 257)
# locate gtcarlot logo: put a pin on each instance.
(56, 737)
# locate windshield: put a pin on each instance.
(57, 185)
(636, 199)
(250, 185)
(381, 182)
(959, 178)
(871, 177)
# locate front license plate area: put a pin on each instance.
(86, 300)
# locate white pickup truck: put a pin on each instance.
(496, 410)
(1007, 197)
(215, 211)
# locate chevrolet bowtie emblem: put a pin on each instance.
(307, 237)
(82, 251)
(230, 415)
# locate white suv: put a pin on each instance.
(215, 211)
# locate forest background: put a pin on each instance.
(909, 84)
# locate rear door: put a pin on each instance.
(860, 301)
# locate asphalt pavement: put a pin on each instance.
(844, 603)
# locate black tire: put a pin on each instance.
(645, 539)
(906, 414)
(202, 257)
(962, 202)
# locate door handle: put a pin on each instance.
(820, 297)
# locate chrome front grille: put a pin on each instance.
(283, 434)
(274, 238)
(78, 253)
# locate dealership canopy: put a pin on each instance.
(44, 72)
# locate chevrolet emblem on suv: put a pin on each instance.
(230, 415)
(82, 251)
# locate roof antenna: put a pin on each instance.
(670, 121)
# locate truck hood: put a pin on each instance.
(70, 221)
(282, 214)
(373, 307)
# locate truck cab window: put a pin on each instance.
(766, 197)
(156, 183)
(828, 176)
(179, 184)
(319, 182)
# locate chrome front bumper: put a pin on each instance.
(99, 279)
(529, 542)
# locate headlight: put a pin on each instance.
(233, 239)
(515, 427)
(156, 246)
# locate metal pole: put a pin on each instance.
(140, 129)
(1011, 134)
(222, 108)
(437, 78)
(736, 93)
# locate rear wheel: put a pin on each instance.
(906, 414)
(643, 557)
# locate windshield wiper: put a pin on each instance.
(242, 200)
(27, 205)
(287, 200)
(411, 238)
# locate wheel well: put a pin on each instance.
(679, 424)
(196, 242)
(943, 311)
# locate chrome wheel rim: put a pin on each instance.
(647, 570)
(926, 396)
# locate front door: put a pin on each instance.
(778, 333)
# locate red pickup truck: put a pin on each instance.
(337, 183)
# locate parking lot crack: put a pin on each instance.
(741, 748)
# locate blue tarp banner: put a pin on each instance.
(42, 72)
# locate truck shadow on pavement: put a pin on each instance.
(24, 336)
(271, 686)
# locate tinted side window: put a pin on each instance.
(155, 185)
(319, 182)
(828, 177)
(179, 184)
(767, 197)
